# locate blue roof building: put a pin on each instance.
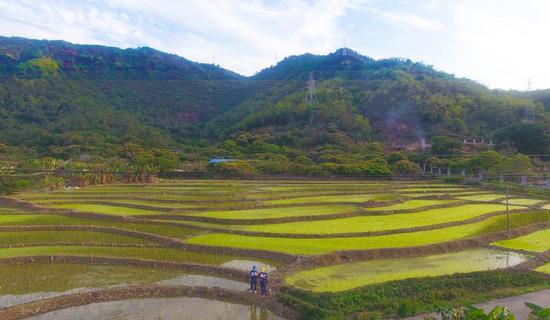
(220, 160)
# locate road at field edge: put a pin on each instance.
(515, 304)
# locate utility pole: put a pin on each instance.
(507, 214)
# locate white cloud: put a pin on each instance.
(503, 43)
(408, 21)
(498, 42)
(246, 35)
(60, 20)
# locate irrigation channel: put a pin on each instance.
(182, 249)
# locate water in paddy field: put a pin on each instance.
(352, 275)
(37, 281)
(247, 265)
(194, 280)
(162, 309)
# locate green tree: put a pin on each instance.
(374, 150)
(516, 164)
(443, 145)
(406, 167)
(395, 157)
(7, 186)
(527, 138)
(484, 161)
(240, 167)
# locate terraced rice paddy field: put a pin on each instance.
(190, 243)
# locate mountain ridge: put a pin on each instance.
(89, 95)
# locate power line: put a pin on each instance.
(416, 176)
(486, 155)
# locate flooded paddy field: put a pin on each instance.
(352, 275)
(312, 236)
(36, 281)
(165, 309)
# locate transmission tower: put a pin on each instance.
(529, 111)
(311, 97)
(345, 51)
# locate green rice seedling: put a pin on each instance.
(353, 275)
(434, 190)
(12, 211)
(381, 223)
(270, 213)
(320, 187)
(537, 242)
(104, 209)
(117, 202)
(544, 269)
(523, 201)
(412, 204)
(483, 197)
(53, 220)
(321, 246)
(44, 237)
(333, 198)
(159, 254)
(440, 194)
(23, 279)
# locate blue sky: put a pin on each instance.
(500, 43)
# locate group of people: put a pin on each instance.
(262, 277)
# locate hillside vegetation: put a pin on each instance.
(58, 94)
(146, 111)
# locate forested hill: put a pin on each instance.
(393, 100)
(54, 93)
(56, 96)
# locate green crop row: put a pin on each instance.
(320, 246)
(380, 223)
(537, 242)
(412, 204)
(271, 213)
(105, 209)
(43, 237)
(53, 220)
(158, 254)
(353, 275)
(544, 269)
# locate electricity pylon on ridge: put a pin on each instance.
(345, 49)
(311, 96)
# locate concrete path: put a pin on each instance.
(516, 304)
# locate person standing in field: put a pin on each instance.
(264, 281)
(253, 279)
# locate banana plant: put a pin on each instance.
(473, 313)
(498, 313)
(538, 312)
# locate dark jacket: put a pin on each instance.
(264, 279)
(253, 276)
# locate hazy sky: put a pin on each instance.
(500, 43)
